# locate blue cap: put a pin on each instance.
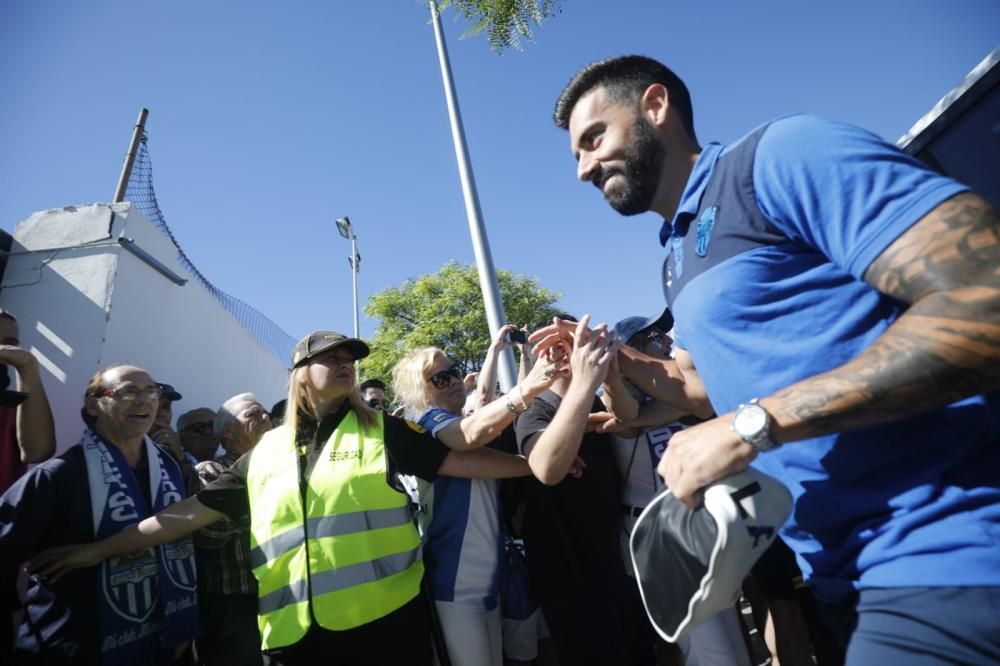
(631, 326)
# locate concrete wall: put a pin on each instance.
(84, 302)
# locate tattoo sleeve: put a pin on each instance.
(944, 347)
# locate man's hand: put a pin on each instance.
(592, 354)
(701, 454)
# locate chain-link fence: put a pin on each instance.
(142, 195)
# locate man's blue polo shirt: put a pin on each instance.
(907, 504)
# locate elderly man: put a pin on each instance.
(27, 434)
(838, 303)
(139, 608)
(197, 434)
(227, 590)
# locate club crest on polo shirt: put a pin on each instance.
(703, 230)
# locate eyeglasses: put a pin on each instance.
(375, 403)
(441, 380)
(199, 428)
(130, 394)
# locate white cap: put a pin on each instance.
(690, 563)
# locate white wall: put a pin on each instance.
(84, 302)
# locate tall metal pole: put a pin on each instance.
(133, 149)
(355, 266)
(480, 243)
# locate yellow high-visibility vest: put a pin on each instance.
(350, 550)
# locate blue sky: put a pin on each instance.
(269, 120)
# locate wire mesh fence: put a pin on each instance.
(141, 193)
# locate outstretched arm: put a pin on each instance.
(484, 464)
(175, 521)
(944, 347)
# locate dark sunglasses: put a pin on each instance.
(441, 380)
(375, 403)
(198, 428)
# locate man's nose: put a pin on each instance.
(587, 168)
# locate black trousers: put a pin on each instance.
(401, 637)
(231, 636)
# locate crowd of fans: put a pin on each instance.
(181, 581)
(835, 326)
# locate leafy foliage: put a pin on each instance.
(445, 309)
(505, 22)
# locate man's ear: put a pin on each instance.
(655, 104)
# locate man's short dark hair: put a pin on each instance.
(625, 78)
(372, 383)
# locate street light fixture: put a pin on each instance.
(347, 231)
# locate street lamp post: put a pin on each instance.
(477, 228)
(347, 231)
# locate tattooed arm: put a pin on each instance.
(944, 347)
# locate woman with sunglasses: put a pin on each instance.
(464, 539)
(333, 547)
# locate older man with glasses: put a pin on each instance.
(138, 608)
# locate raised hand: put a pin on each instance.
(593, 351)
(559, 331)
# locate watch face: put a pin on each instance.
(750, 421)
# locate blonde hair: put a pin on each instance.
(298, 399)
(409, 379)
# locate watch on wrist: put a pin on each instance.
(753, 425)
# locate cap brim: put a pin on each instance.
(358, 348)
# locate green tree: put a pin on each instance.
(445, 309)
(505, 22)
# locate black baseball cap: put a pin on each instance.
(321, 341)
(169, 392)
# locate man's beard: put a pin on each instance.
(641, 175)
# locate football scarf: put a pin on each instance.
(147, 601)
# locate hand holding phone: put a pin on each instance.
(517, 337)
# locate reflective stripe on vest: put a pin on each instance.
(328, 526)
(352, 554)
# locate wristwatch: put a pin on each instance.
(753, 424)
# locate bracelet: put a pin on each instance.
(520, 395)
(510, 406)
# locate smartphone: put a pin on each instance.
(518, 337)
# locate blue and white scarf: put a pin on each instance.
(143, 614)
